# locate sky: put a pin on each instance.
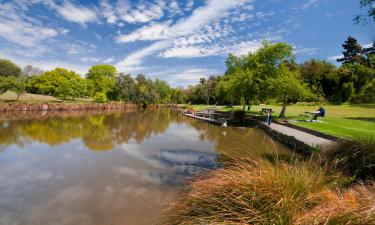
(177, 41)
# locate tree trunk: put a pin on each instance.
(283, 109)
(244, 104)
(18, 96)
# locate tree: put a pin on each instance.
(125, 88)
(30, 71)
(353, 52)
(12, 83)
(288, 87)
(48, 82)
(101, 70)
(314, 73)
(73, 88)
(101, 79)
(163, 90)
(8, 68)
(207, 88)
(370, 4)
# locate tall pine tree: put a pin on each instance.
(353, 52)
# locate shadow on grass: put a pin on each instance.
(367, 119)
(365, 106)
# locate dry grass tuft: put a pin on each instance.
(257, 191)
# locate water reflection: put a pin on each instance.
(107, 167)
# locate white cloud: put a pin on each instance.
(188, 52)
(77, 13)
(108, 12)
(190, 76)
(201, 17)
(132, 62)
(157, 31)
(142, 12)
(300, 50)
(334, 57)
(22, 30)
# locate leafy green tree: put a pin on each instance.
(12, 83)
(288, 87)
(101, 78)
(352, 52)
(352, 81)
(314, 73)
(163, 90)
(370, 4)
(73, 88)
(177, 95)
(207, 88)
(48, 82)
(8, 68)
(125, 88)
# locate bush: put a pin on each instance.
(100, 97)
(257, 191)
(238, 114)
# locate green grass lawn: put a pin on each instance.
(32, 98)
(355, 122)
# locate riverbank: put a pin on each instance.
(355, 122)
(8, 107)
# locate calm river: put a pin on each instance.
(107, 168)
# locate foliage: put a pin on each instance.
(11, 83)
(207, 88)
(314, 73)
(48, 82)
(370, 4)
(101, 79)
(353, 52)
(163, 90)
(73, 88)
(8, 68)
(100, 97)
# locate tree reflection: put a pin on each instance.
(98, 132)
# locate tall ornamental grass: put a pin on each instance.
(259, 191)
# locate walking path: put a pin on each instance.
(307, 138)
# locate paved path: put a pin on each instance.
(307, 138)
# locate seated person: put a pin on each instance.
(322, 113)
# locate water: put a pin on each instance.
(107, 168)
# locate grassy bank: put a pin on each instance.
(349, 121)
(33, 98)
(260, 191)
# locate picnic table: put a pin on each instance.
(312, 114)
(265, 110)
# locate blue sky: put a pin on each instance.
(178, 41)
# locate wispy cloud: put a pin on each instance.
(77, 13)
(201, 17)
(20, 29)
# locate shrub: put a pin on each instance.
(100, 97)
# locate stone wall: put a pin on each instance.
(5, 107)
